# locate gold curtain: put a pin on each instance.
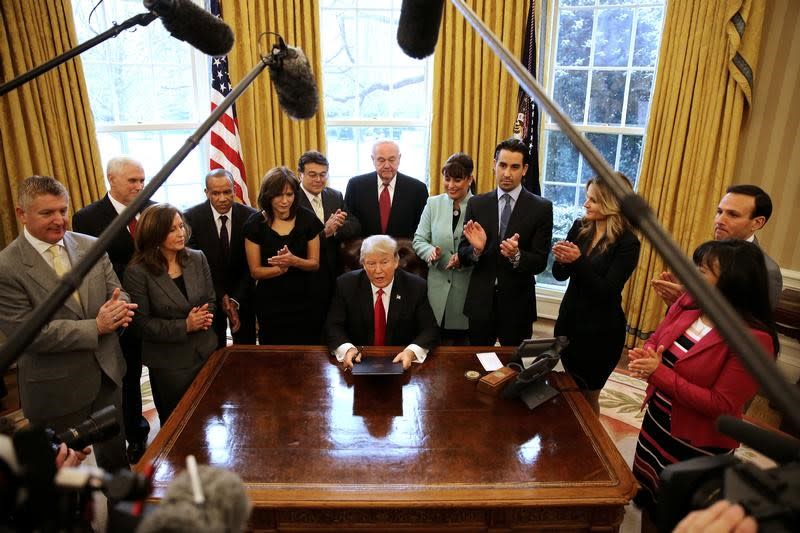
(47, 125)
(709, 51)
(474, 98)
(269, 138)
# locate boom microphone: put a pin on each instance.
(418, 29)
(186, 21)
(294, 82)
(226, 506)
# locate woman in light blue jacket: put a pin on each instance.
(436, 241)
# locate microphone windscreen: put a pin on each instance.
(295, 84)
(418, 29)
(226, 508)
(186, 21)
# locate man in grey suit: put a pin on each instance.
(75, 365)
(328, 205)
(743, 210)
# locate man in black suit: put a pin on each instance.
(507, 237)
(328, 205)
(379, 305)
(386, 202)
(217, 231)
(125, 180)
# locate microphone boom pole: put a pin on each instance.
(71, 281)
(731, 326)
(142, 19)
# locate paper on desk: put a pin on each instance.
(489, 361)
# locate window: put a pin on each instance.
(148, 92)
(372, 89)
(602, 65)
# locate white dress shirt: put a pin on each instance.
(420, 353)
(391, 189)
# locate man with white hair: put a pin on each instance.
(380, 305)
(386, 201)
(126, 180)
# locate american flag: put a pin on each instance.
(225, 150)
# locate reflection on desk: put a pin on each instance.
(316, 448)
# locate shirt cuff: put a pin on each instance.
(420, 353)
(341, 351)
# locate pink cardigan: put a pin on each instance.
(707, 382)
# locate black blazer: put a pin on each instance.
(230, 277)
(329, 246)
(593, 300)
(94, 218)
(410, 197)
(532, 218)
(410, 319)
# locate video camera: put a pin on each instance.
(771, 497)
(37, 496)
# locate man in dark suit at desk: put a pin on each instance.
(328, 205)
(381, 305)
(216, 226)
(386, 201)
(74, 366)
(125, 180)
(507, 235)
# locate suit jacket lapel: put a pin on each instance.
(395, 303)
(170, 289)
(328, 206)
(494, 220)
(372, 200)
(686, 319)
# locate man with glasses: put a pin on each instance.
(328, 205)
(386, 201)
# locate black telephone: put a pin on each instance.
(529, 384)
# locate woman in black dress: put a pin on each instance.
(598, 256)
(282, 245)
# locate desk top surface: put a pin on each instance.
(297, 429)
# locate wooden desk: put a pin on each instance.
(318, 448)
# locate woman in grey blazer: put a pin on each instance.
(436, 241)
(173, 288)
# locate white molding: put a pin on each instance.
(789, 358)
(548, 301)
(791, 278)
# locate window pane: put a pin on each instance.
(562, 159)
(377, 36)
(374, 93)
(574, 37)
(613, 37)
(408, 86)
(648, 34)
(339, 28)
(561, 194)
(570, 92)
(630, 157)
(605, 101)
(639, 94)
(350, 150)
(577, 2)
(607, 146)
(340, 92)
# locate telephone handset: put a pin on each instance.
(529, 383)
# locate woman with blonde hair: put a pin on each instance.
(598, 256)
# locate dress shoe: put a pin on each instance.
(135, 451)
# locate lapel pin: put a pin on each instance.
(397, 297)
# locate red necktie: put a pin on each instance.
(385, 204)
(132, 227)
(380, 320)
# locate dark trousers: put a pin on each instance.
(137, 428)
(110, 454)
(508, 324)
(247, 325)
